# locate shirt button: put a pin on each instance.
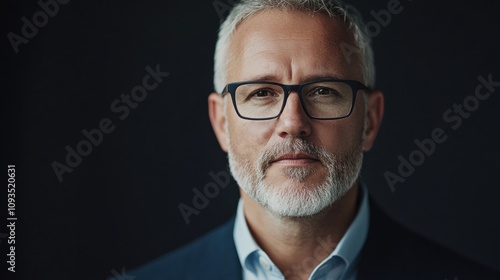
(265, 264)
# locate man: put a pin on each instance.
(295, 109)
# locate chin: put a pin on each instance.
(299, 199)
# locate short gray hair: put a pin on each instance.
(333, 8)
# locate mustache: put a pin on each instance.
(269, 154)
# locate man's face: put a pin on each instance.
(292, 165)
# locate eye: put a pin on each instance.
(323, 91)
(258, 93)
(262, 93)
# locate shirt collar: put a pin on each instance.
(245, 244)
(352, 242)
(348, 248)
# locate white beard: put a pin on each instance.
(297, 200)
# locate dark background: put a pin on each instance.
(119, 208)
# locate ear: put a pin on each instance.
(218, 118)
(374, 114)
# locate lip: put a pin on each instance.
(295, 158)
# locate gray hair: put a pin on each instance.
(333, 8)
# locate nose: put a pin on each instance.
(293, 121)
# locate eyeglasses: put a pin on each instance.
(327, 99)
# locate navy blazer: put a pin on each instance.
(390, 252)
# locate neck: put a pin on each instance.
(294, 244)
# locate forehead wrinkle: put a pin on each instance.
(275, 67)
(277, 60)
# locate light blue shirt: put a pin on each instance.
(341, 264)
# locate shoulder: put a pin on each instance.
(393, 251)
(212, 256)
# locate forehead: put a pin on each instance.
(290, 46)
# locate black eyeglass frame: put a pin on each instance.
(287, 89)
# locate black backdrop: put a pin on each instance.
(118, 208)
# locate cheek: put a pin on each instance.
(248, 138)
(331, 135)
(339, 136)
